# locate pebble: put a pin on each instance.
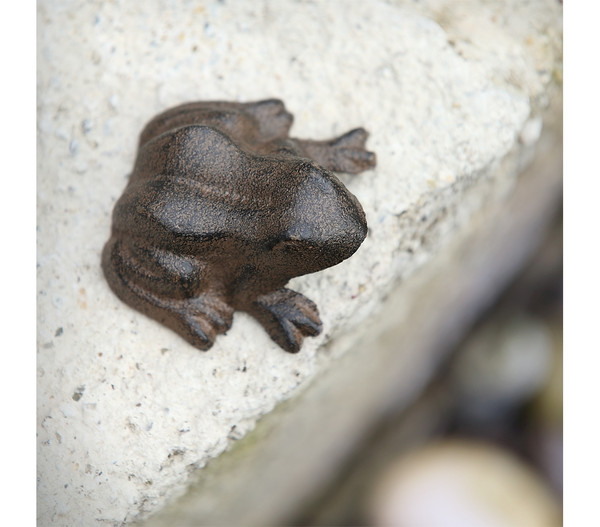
(462, 484)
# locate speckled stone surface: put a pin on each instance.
(126, 408)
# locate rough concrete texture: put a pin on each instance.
(127, 410)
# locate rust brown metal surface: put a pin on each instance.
(222, 209)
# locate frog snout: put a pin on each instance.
(328, 215)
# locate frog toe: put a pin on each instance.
(307, 324)
(287, 336)
(199, 332)
(354, 160)
(354, 139)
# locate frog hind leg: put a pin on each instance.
(267, 120)
(346, 153)
(197, 319)
(287, 317)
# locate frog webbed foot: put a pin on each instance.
(350, 153)
(288, 317)
(346, 153)
(273, 119)
(199, 320)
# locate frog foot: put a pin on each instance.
(345, 153)
(274, 120)
(287, 317)
(349, 154)
(199, 320)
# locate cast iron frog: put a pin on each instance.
(222, 209)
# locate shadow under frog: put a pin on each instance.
(222, 209)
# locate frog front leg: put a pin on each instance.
(345, 153)
(287, 317)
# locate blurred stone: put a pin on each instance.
(462, 484)
(503, 363)
(546, 413)
(547, 405)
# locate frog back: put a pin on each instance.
(194, 184)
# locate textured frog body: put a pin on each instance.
(222, 209)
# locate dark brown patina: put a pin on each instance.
(222, 209)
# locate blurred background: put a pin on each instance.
(482, 445)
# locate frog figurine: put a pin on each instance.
(222, 209)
